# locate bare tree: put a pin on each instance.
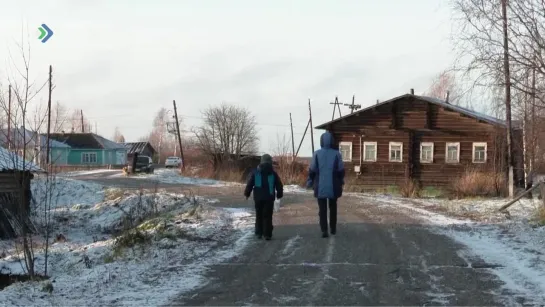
(159, 135)
(226, 130)
(445, 82)
(79, 123)
(118, 136)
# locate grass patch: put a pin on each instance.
(540, 216)
(113, 193)
(433, 192)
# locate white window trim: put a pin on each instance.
(89, 153)
(350, 152)
(421, 151)
(374, 159)
(475, 144)
(400, 144)
(457, 144)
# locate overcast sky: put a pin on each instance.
(120, 61)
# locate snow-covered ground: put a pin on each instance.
(516, 245)
(172, 176)
(88, 172)
(94, 260)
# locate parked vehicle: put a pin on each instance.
(173, 162)
(144, 164)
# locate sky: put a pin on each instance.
(120, 61)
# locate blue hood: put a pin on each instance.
(326, 140)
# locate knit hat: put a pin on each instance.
(266, 158)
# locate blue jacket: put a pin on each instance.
(326, 172)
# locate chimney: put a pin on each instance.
(377, 101)
(412, 91)
(446, 98)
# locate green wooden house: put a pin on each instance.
(92, 149)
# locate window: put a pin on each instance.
(426, 152)
(89, 157)
(346, 150)
(396, 151)
(370, 151)
(452, 153)
(479, 152)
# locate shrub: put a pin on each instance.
(410, 188)
(474, 183)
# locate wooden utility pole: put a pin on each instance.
(292, 140)
(336, 106)
(178, 133)
(507, 97)
(353, 106)
(310, 124)
(302, 139)
(82, 126)
(9, 117)
(47, 161)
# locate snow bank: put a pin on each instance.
(64, 192)
(184, 236)
(171, 176)
(88, 172)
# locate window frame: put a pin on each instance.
(457, 144)
(89, 154)
(475, 144)
(374, 159)
(350, 152)
(421, 151)
(400, 144)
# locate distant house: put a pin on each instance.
(90, 149)
(142, 148)
(421, 138)
(35, 145)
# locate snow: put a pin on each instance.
(514, 244)
(12, 161)
(88, 172)
(172, 176)
(184, 237)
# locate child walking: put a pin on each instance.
(264, 181)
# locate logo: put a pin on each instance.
(45, 33)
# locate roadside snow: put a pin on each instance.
(185, 235)
(292, 188)
(65, 192)
(515, 246)
(88, 172)
(171, 176)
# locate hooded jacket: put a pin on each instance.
(264, 182)
(326, 171)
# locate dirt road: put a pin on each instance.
(381, 255)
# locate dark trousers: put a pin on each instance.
(263, 218)
(322, 204)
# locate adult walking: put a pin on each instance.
(326, 175)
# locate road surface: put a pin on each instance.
(381, 255)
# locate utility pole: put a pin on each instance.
(310, 124)
(9, 117)
(82, 126)
(353, 106)
(507, 97)
(336, 104)
(47, 161)
(292, 141)
(178, 132)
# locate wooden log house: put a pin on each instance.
(421, 138)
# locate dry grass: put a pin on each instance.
(410, 188)
(474, 183)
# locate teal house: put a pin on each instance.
(90, 149)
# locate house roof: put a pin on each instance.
(11, 161)
(139, 147)
(29, 137)
(86, 141)
(436, 101)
